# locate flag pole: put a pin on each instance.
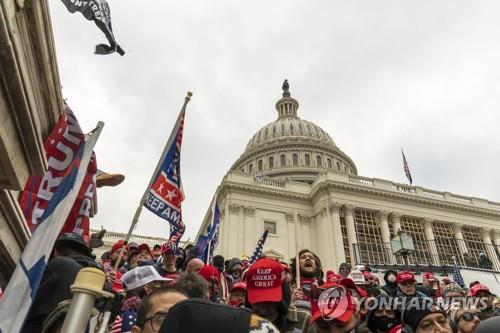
(297, 259)
(138, 211)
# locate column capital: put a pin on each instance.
(457, 227)
(322, 211)
(249, 210)
(496, 233)
(304, 218)
(383, 214)
(485, 232)
(349, 209)
(396, 215)
(334, 207)
(290, 217)
(427, 221)
(234, 208)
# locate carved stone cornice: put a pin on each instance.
(249, 211)
(234, 208)
(383, 215)
(334, 207)
(290, 217)
(349, 209)
(304, 218)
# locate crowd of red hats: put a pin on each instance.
(171, 290)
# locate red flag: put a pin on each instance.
(60, 147)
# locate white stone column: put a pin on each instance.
(249, 230)
(292, 245)
(386, 235)
(351, 231)
(496, 239)
(232, 231)
(396, 223)
(459, 237)
(336, 229)
(429, 236)
(490, 251)
(305, 222)
(325, 250)
(240, 232)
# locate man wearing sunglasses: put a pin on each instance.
(154, 308)
(466, 319)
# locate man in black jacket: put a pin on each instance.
(70, 254)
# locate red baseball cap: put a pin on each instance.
(264, 279)
(429, 276)
(239, 285)
(209, 273)
(332, 301)
(168, 247)
(144, 247)
(405, 276)
(349, 284)
(477, 288)
(332, 277)
(118, 245)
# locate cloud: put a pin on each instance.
(377, 76)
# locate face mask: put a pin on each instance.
(391, 278)
(384, 323)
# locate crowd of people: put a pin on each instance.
(162, 289)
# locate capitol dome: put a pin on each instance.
(292, 148)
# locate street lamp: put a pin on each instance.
(402, 245)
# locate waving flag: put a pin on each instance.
(258, 250)
(165, 193)
(97, 11)
(457, 276)
(23, 285)
(406, 168)
(207, 243)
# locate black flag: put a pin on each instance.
(97, 11)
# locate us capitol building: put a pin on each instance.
(293, 180)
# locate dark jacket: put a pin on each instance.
(59, 275)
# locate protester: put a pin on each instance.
(167, 268)
(344, 269)
(194, 265)
(193, 284)
(333, 310)
(444, 282)
(311, 274)
(270, 298)
(423, 317)
(490, 325)
(407, 285)
(70, 254)
(218, 262)
(238, 294)
(143, 254)
(154, 308)
(482, 292)
(429, 285)
(212, 276)
(453, 290)
(113, 276)
(196, 315)
(465, 320)
(391, 286)
(180, 258)
(234, 272)
(156, 252)
(383, 319)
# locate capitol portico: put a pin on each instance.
(293, 180)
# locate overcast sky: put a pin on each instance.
(376, 75)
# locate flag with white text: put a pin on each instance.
(97, 11)
(23, 285)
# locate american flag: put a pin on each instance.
(124, 322)
(457, 276)
(258, 250)
(406, 168)
(165, 193)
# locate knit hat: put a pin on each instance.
(75, 241)
(141, 276)
(264, 279)
(218, 262)
(452, 287)
(418, 309)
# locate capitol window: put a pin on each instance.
(259, 165)
(250, 168)
(271, 227)
(282, 160)
(319, 161)
(338, 166)
(271, 162)
(308, 159)
(295, 159)
(329, 161)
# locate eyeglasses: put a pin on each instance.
(468, 316)
(156, 321)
